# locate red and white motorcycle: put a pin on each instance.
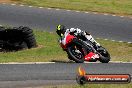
(79, 50)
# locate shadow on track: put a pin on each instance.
(59, 61)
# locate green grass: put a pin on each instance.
(121, 7)
(48, 49)
(93, 86)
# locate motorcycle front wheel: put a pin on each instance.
(104, 55)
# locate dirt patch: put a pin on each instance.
(5, 1)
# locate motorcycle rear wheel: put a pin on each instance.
(79, 46)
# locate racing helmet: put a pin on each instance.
(60, 30)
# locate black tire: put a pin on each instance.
(28, 36)
(1, 44)
(23, 45)
(16, 38)
(15, 46)
(69, 57)
(104, 55)
(25, 30)
(2, 33)
(80, 46)
(31, 41)
(20, 45)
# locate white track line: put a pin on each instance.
(113, 15)
(95, 13)
(121, 16)
(29, 63)
(57, 9)
(120, 41)
(13, 4)
(55, 62)
(129, 42)
(110, 62)
(116, 41)
(68, 10)
(113, 40)
(86, 12)
(105, 14)
(30, 6)
(40, 7)
(48, 8)
(91, 62)
(105, 39)
(97, 38)
(77, 11)
(21, 5)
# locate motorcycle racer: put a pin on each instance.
(61, 31)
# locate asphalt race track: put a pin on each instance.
(102, 26)
(25, 75)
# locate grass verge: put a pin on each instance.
(121, 7)
(48, 50)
